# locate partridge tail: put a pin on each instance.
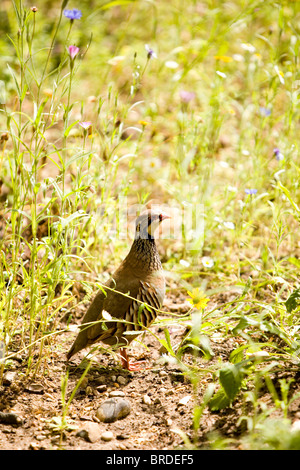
(84, 336)
(74, 349)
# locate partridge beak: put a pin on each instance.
(165, 216)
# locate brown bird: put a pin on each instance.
(114, 318)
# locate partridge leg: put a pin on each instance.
(126, 364)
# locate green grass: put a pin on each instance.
(63, 188)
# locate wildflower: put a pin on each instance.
(279, 74)
(116, 60)
(85, 124)
(34, 9)
(197, 298)
(264, 111)
(184, 263)
(248, 47)
(151, 54)
(48, 92)
(171, 64)
(229, 225)
(223, 58)
(278, 155)
(207, 262)
(186, 96)
(74, 14)
(221, 74)
(250, 191)
(73, 51)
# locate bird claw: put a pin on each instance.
(129, 365)
(134, 366)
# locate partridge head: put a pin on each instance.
(129, 301)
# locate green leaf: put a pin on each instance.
(244, 323)
(204, 345)
(230, 378)
(292, 302)
(237, 355)
(67, 131)
(219, 401)
(16, 82)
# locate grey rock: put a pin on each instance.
(9, 377)
(121, 380)
(113, 409)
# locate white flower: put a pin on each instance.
(229, 225)
(248, 47)
(171, 64)
(232, 189)
(184, 263)
(207, 262)
(221, 74)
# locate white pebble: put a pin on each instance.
(107, 436)
(147, 400)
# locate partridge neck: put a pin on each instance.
(144, 254)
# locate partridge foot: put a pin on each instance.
(129, 365)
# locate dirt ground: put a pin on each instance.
(160, 397)
(161, 400)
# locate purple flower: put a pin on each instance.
(85, 124)
(264, 111)
(73, 51)
(250, 191)
(74, 14)
(186, 96)
(278, 155)
(151, 54)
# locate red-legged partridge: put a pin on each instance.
(139, 276)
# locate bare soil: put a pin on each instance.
(160, 396)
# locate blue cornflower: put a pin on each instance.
(278, 155)
(74, 14)
(250, 191)
(151, 54)
(264, 111)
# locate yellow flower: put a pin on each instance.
(197, 298)
(223, 58)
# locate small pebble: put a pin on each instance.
(102, 388)
(122, 446)
(10, 418)
(184, 400)
(122, 436)
(116, 393)
(9, 377)
(121, 380)
(147, 400)
(91, 432)
(34, 388)
(163, 373)
(101, 380)
(107, 436)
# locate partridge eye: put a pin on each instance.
(160, 217)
